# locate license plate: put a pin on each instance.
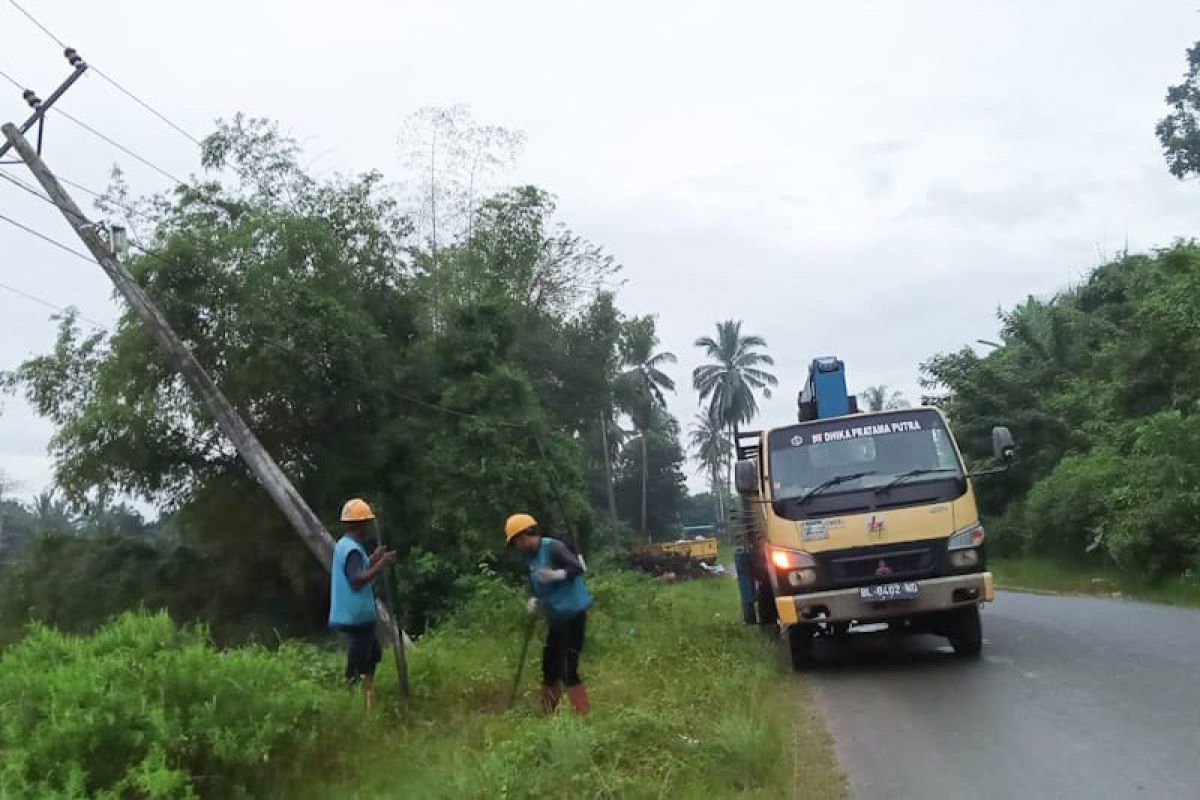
(884, 592)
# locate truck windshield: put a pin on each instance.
(887, 449)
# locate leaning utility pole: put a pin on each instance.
(260, 462)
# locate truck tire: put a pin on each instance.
(800, 641)
(966, 633)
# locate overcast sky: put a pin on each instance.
(865, 179)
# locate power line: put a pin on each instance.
(110, 79)
(45, 30)
(48, 239)
(44, 302)
(101, 135)
(119, 146)
(12, 80)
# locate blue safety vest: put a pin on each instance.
(347, 605)
(560, 599)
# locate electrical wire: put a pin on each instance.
(12, 80)
(118, 145)
(111, 80)
(101, 135)
(44, 302)
(48, 239)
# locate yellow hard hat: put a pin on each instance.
(517, 523)
(357, 510)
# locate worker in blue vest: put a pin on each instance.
(556, 583)
(351, 598)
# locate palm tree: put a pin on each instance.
(713, 450)
(51, 513)
(612, 436)
(877, 398)
(640, 385)
(730, 383)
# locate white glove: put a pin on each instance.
(582, 565)
(547, 575)
(531, 606)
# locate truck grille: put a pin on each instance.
(863, 565)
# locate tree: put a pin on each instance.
(641, 386)
(1099, 383)
(1179, 131)
(455, 160)
(6, 486)
(877, 398)
(729, 384)
(51, 514)
(304, 300)
(713, 449)
(650, 469)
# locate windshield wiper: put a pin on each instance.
(834, 481)
(912, 473)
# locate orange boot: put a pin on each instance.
(579, 698)
(550, 697)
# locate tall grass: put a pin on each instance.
(686, 703)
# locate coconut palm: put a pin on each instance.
(730, 383)
(641, 383)
(877, 398)
(50, 513)
(713, 450)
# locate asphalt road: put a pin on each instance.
(1073, 698)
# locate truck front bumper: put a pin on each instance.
(845, 605)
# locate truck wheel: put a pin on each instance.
(965, 633)
(800, 642)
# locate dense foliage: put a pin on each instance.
(451, 381)
(685, 703)
(1100, 384)
(144, 708)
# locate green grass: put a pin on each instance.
(1042, 574)
(687, 702)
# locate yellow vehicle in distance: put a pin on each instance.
(859, 518)
(699, 548)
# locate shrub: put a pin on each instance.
(144, 707)
(1070, 507)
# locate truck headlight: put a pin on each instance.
(796, 567)
(799, 578)
(970, 536)
(961, 559)
(785, 558)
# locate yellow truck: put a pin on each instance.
(860, 518)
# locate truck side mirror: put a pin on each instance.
(1003, 446)
(745, 476)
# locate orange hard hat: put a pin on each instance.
(357, 510)
(517, 523)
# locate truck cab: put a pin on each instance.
(859, 518)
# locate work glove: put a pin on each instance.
(547, 575)
(531, 606)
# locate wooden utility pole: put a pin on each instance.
(261, 464)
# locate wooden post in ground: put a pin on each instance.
(306, 524)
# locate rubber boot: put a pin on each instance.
(550, 697)
(579, 698)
